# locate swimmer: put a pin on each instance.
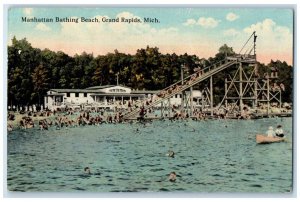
(171, 154)
(87, 170)
(172, 177)
(193, 130)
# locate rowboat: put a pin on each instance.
(263, 139)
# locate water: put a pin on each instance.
(210, 156)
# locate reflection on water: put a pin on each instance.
(210, 156)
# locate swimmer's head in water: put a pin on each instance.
(172, 177)
(171, 154)
(87, 170)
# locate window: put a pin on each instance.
(76, 94)
(68, 94)
(84, 94)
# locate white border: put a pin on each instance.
(136, 3)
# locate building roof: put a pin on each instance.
(117, 94)
(93, 89)
(99, 87)
(145, 91)
(56, 94)
(105, 86)
(74, 90)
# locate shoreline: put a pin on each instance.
(71, 119)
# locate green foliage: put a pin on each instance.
(285, 76)
(40, 79)
(32, 72)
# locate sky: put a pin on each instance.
(200, 31)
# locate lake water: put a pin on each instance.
(211, 156)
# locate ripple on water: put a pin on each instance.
(163, 189)
(157, 169)
(255, 185)
(79, 189)
(208, 160)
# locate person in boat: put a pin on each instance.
(279, 131)
(270, 132)
(172, 177)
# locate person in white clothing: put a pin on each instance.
(270, 132)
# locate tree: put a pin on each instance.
(22, 59)
(32, 72)
(285, 77)
(40, 79)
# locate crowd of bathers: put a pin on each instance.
(73, 118)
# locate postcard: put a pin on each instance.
(150, 100)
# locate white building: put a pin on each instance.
(107, 97)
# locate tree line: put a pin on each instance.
(32, 71)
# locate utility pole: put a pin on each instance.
(254, 44)
(241, 86)
(211, 97)
(182, 93)
(268, 95)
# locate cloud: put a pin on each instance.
(273, 39)
(102, 38)
(268, 30)
(110, 36)
(42, 27)
(208, 22)
(28, 11)
(232, 17)
(273, 42)
(190, 22)
(231, 32)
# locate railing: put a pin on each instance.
(242, 57)
(187, 82)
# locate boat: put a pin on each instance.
(263, 139)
